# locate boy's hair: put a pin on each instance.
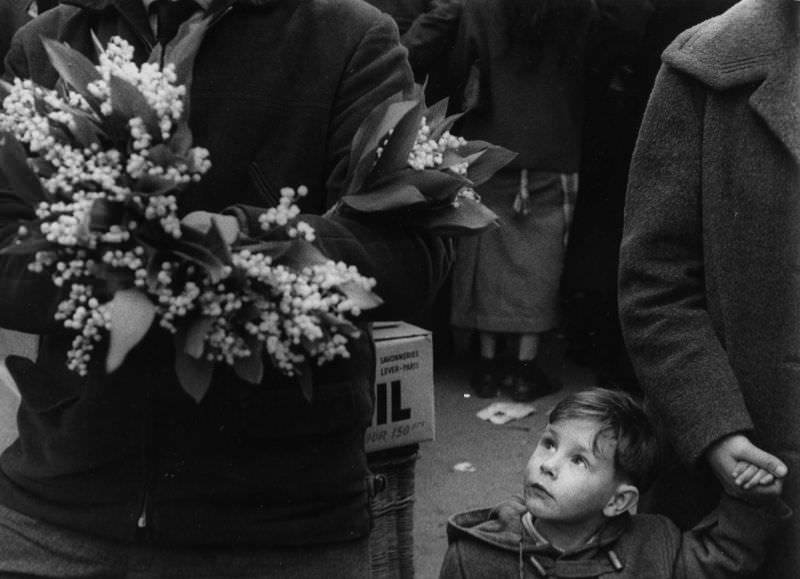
(624, 420)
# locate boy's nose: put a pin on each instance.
(548, 467)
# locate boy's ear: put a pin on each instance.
(624, 500)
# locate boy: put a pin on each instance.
(582, 486)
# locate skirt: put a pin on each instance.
(507, 280)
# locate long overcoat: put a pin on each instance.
(710, 257)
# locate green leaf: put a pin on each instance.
(85, 131)
(194, 375)
(395, 153)
(132, 315)
(73, 67)
(452, 158)
(486, 165)
(369, 135)
(162, 155)
(193, 335)
(154, 260)
(273, 249)
(446, 124)
(437, 185)
(393, 196)
(362, 298)
(305, 379)
(198, 254)
(435, 113)
(251, 368)
(21, 178)
(434, 185)
(27, 246)
(128, 102)
(42, 168)
(5, 89)
(154, 185)
(468, 217)
(301, 254)
(183, 49)
(104, 214)
(342, 325)
(216, 244)
(181, 140)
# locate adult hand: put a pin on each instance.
(201, 220)
(725, 457)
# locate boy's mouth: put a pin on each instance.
(539, 489)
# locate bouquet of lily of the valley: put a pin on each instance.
(101, 161)
(405, 161)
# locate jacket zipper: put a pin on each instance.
(142, 530)
(142, 520)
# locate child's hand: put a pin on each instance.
(727, 453)
(755, 484)
(747, 475)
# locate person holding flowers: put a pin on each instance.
(202, 386)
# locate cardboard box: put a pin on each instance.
(403, 386)
(22, 345)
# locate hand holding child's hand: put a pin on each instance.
(746, 471)
(747, 475)
(757, 485)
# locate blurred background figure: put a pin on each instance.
(427, 29)
(520, 68)
(617, 91)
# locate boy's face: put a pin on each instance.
(566, 480)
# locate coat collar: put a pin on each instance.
(756, 41)
(504, 528)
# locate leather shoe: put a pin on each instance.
(530, 382)
(483, 380)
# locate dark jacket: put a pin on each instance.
(13, 14)
(279, 89)
(709, 285)
(489, 543)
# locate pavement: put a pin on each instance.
(474, 463)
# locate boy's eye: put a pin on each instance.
(547, 443)
(580, 460)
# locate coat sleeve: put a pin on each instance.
(678, 356)
(27, 299)
(730, 542)
(377, 69)
(431, 35)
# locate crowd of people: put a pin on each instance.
(649, 216)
